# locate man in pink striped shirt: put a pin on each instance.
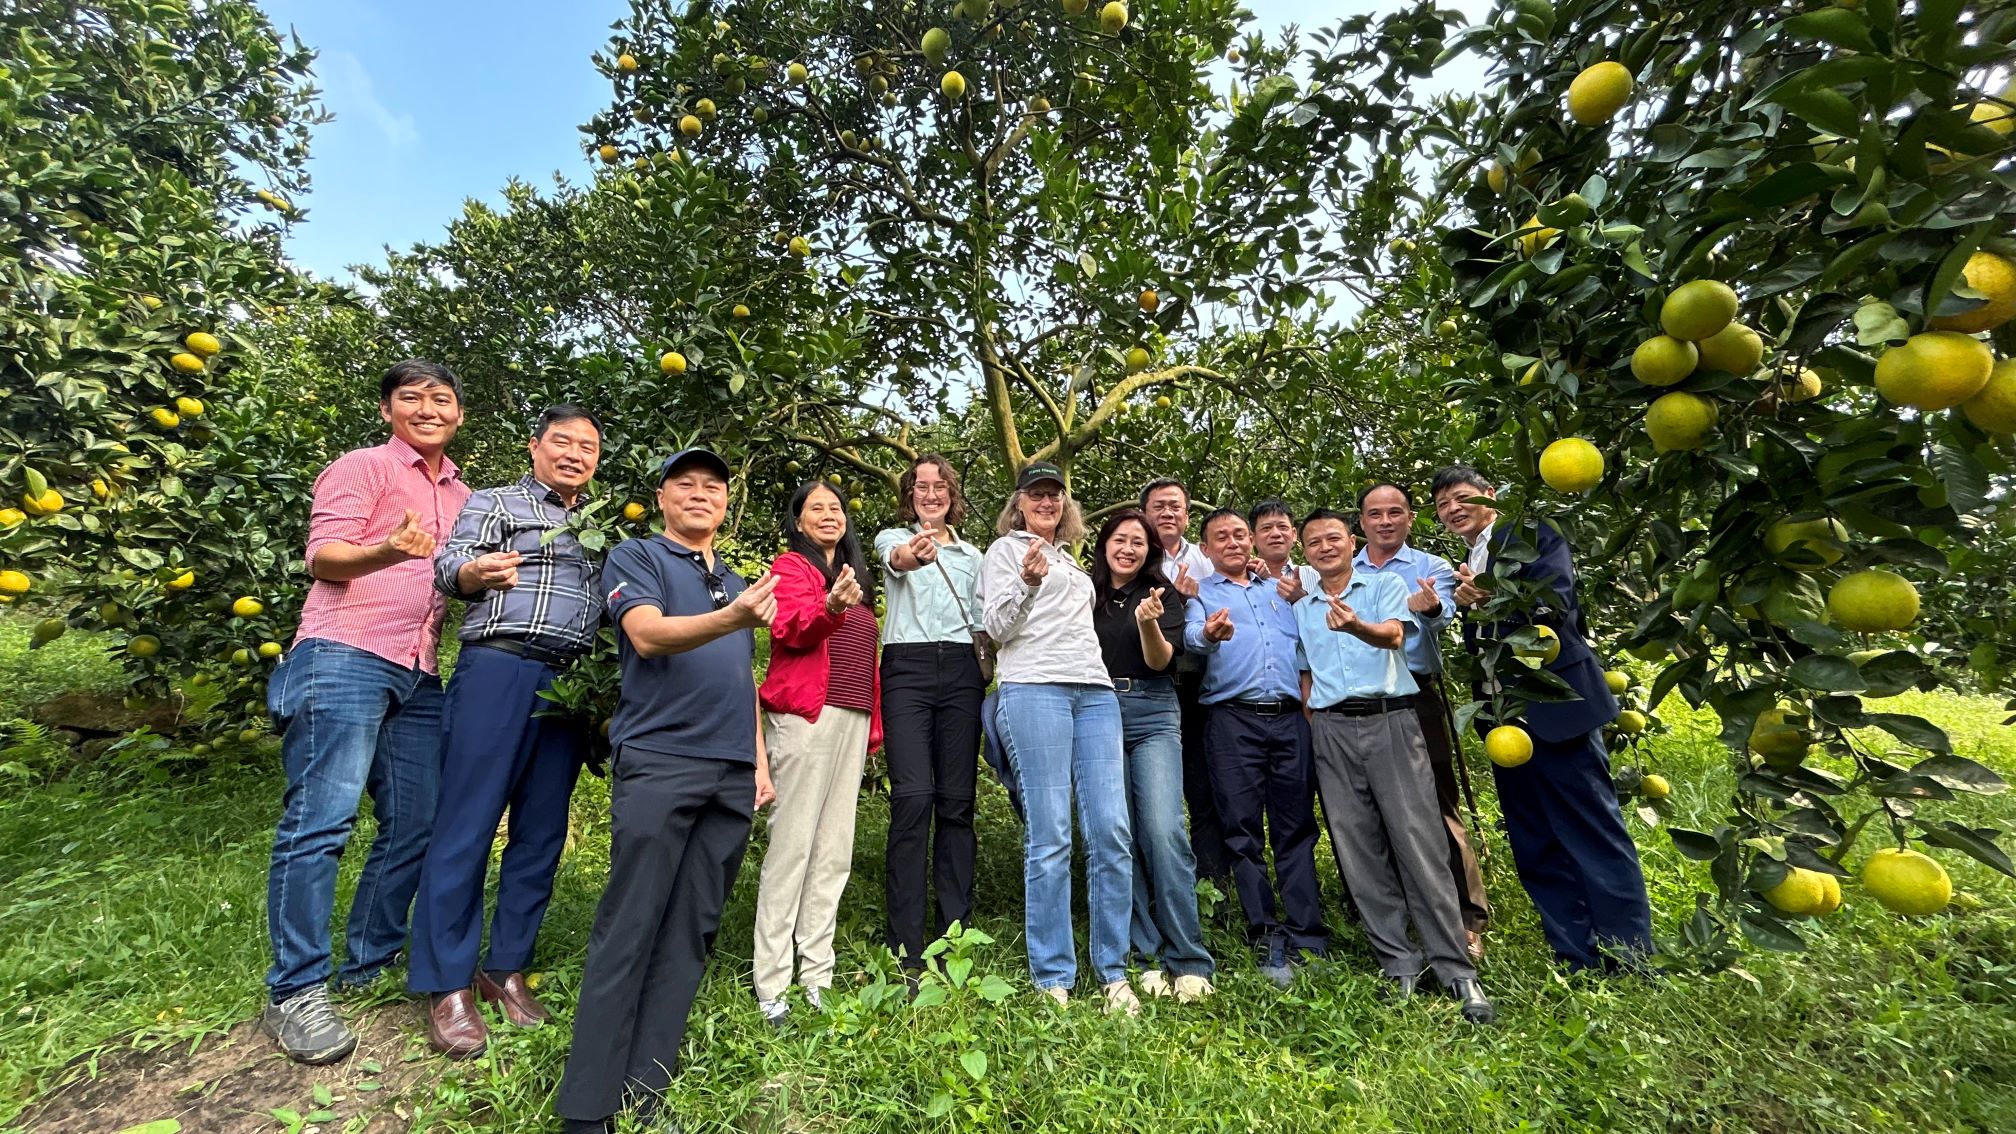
(358, 701)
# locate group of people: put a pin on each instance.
(1153, 678)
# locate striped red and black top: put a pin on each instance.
(850, 674)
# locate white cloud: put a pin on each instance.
(349, 88)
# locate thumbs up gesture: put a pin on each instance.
(1426, 600)
(409, 540)
(845, 591)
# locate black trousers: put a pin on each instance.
(1207, 833)
(678, 827)
(1265, 779)
(931, 695)
(1431, 707)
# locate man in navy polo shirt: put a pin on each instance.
(689, 770)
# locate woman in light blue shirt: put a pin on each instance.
(931, 692)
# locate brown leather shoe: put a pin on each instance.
(455, 1028)
(520, 1007)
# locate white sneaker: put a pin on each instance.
(1120, 998)
(1060, 994)
(1154, 982)
(1191, 988)
(775, 1012)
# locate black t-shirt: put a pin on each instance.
(698, 703)
(1120, 638)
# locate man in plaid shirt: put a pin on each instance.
(535, 605)
(358, 703)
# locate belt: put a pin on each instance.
(1278, 707)
(1368, 706)
(1143, 685)
(525, 650)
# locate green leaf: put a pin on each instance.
(1977, 843)
(1965, 477)
(993, 989)
(1696, 845)
(975, 1063)
(1915, 731)
(322, 1095)
(1767, 932)
(1827, 673)
(1825, 109)
(939, 1106)
(1961, 774)
(1940, 287)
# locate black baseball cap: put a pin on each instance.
(1036, 472)
(695, 455)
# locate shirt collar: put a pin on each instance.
(550, 494)
(1405, 554)
(1485, 535)
(409, 456)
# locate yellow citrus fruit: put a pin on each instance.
(1150, 301)
(186, 363)
(269, 649)
(608, 153)
(740, 311)
(1076, 7)
(182, 582)
(1037, 104)
(248, 607)
(1598, 93)
(1801, 387)
(1571, 464)
(1873, 601)
(1934, 370)
(1654, 786)
(626, 62)
(1497, 177)
(1993, 276)
(953, 85)
(1679, 421)
(689, 125)
(633, 511)
(1137, 359)
(1831, 900)
(1650, 652)
(241, 657)
(1802, 892)
(1164, 402)
(1806, 545)
(189, 407)
(1631, 722)
(1780, 738)
(49, 503)
(937, 44)
(1508, 746)
(1993, 407)
(1698, 310)
(152, 302)
(165, 418)
(1535, 236)
(13, 583)
(672, 362)
(144, 646)
(202, 343)
(1907, 882)
(1446, 328)
(1617, 681)
(704, 108)
(1113, 17)
(11, 516)
(800, 247)
(1735, 348)
(796, 74)
(1663, 360)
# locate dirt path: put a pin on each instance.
(236, 1082)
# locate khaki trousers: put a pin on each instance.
(816, 768)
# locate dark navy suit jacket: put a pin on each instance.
(1553, 722)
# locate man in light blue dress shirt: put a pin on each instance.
(1386, 512)
(1372, 767)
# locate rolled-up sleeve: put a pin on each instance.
(479, 529)
(346, 495)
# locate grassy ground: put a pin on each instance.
(132, 919)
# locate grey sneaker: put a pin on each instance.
(307, 1028)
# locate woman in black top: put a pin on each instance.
(1139, 621)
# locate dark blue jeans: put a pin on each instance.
(351, 722)
(1166, 929)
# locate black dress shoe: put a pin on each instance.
(1395, 989)
(1476, 1008)
(590, 1125)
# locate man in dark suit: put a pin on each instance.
(1573, 853)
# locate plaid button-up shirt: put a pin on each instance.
(557, 604)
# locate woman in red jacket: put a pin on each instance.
(821, 718)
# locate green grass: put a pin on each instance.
(73, 663)
(132, 915)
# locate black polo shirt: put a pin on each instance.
(1120, 639)
(698, 703)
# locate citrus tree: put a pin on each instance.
(147, 153)
(1738, 279)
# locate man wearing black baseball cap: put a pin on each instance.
(687, 774)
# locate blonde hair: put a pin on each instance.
(1070, 525)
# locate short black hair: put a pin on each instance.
(1454, 475)
(1405, 495)
(1316, 514)
(417, 372)
(1271, 506)
(565, 411)
(1216, 514)
(1160, 483)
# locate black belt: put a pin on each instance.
(525, 650)
(1368, 706)
(1144, 685)
(1275, 708)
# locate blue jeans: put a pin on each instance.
(1059, 736)
(1165, 872)
(351, 722)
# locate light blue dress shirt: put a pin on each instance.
(1342, 665)
(1262, 661)
(920, 606)
(1409, 565)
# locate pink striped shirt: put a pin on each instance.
(359, 499)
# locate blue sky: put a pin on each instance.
(437, 101)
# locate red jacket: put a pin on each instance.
(796, 680)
